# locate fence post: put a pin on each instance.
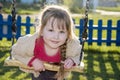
(109, 27)
(27, 25)
(118, 34)
(81, 28)
(90, 32)
(18, 23)
(99, 32)
(9, 23)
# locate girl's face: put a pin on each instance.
(53, 35)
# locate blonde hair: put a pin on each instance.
(61, 14)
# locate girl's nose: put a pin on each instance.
(56, 35)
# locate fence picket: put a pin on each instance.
(99, 35)
(28, 25)
(91, 28)
(9, 24)
(109, 37)
(19, 25)
(118, 34)
(90, 32)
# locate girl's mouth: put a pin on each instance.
(55, 42)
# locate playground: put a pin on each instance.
(101, 49)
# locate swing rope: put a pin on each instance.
(83, 37)
(13, 12)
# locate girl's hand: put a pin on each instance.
(68, 63)
(38, 65)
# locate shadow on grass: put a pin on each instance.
(11, 72)
(100, 65)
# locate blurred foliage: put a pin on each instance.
(74, 6)
(116, 9)
(20, 8)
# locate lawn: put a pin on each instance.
(101, 63)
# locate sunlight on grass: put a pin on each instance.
(4, 43)
(96, 66)
(103, 47)
(98, 78)
(109, 68)
(118, 64)
(3, 58)
(27, 12)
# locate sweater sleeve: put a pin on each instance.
(22, 50)
(74, 50)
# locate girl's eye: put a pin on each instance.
(62, 31)
(50, 30)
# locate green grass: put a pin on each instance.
(21, 11)
(116, 9)
(101, 63)
(21, 8)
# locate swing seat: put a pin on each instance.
(49, 66)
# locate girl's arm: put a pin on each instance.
(38, 65)
(22, 50)
(73, 50)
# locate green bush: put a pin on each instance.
(75, 9)
(74, 6)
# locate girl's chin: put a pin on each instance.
(54, 47)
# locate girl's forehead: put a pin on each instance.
(53, 20)
(56, 23)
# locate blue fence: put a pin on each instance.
(98, 34)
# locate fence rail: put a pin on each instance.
(104, 34)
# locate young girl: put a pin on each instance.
(54, 42)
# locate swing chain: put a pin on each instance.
(84, 32)
(13, 12)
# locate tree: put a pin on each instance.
(42, 3)
(74, 5)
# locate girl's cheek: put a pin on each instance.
(64, 37)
